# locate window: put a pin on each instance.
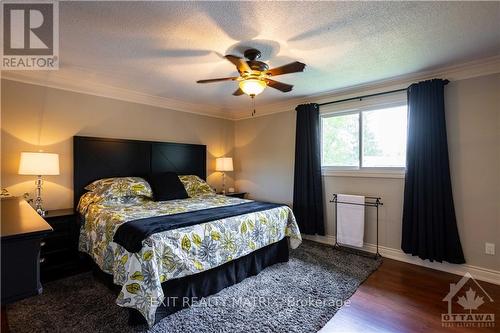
(370, 138)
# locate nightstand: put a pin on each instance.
(240, 195)
(59, 251)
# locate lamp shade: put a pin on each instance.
(39, 164)
(224, 164)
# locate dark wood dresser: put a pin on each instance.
(22, 231)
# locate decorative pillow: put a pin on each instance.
(195, 186)
(93, 198)
(121, 187)
(167, 186)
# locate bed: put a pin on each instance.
(221, 240)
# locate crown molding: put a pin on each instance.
(457, 72)
(58, 82)
(462, 71)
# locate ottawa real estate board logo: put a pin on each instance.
(30, 32)
(464, 305)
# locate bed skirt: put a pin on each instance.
(179, 293)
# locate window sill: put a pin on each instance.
(398, 174)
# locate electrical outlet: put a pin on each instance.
(489, 248)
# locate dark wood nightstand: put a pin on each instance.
(59, 251)
(240, 195)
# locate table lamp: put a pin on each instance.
(224, 164)
(39, 164)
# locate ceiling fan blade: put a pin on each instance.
(279, 85)
(240, 63)
(233, 78)
(292, 67)
(238, 92)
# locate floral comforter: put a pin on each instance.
(175, 253)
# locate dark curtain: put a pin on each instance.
(429, 222)
(307, 189)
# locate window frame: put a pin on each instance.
(359, 107)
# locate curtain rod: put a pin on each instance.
(364, 96)
(371, 95)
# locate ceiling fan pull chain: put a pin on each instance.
(253, 103)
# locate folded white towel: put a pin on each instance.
(350, 220)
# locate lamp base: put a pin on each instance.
(223, 183)
(38, 200)
(41, 212)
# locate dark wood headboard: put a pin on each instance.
(96, 158)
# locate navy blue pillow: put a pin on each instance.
(167, 186)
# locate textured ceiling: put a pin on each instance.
(162, 48)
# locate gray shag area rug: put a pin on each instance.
(298, 296)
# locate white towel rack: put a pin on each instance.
(369, 202)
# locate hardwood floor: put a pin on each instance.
(401, 297)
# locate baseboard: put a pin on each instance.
(479, 273)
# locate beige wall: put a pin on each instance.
(35, 117)
(473, 125)
(265, 155)
(265, 152)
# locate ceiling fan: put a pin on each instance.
(255, 75)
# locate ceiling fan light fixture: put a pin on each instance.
(252, 87)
